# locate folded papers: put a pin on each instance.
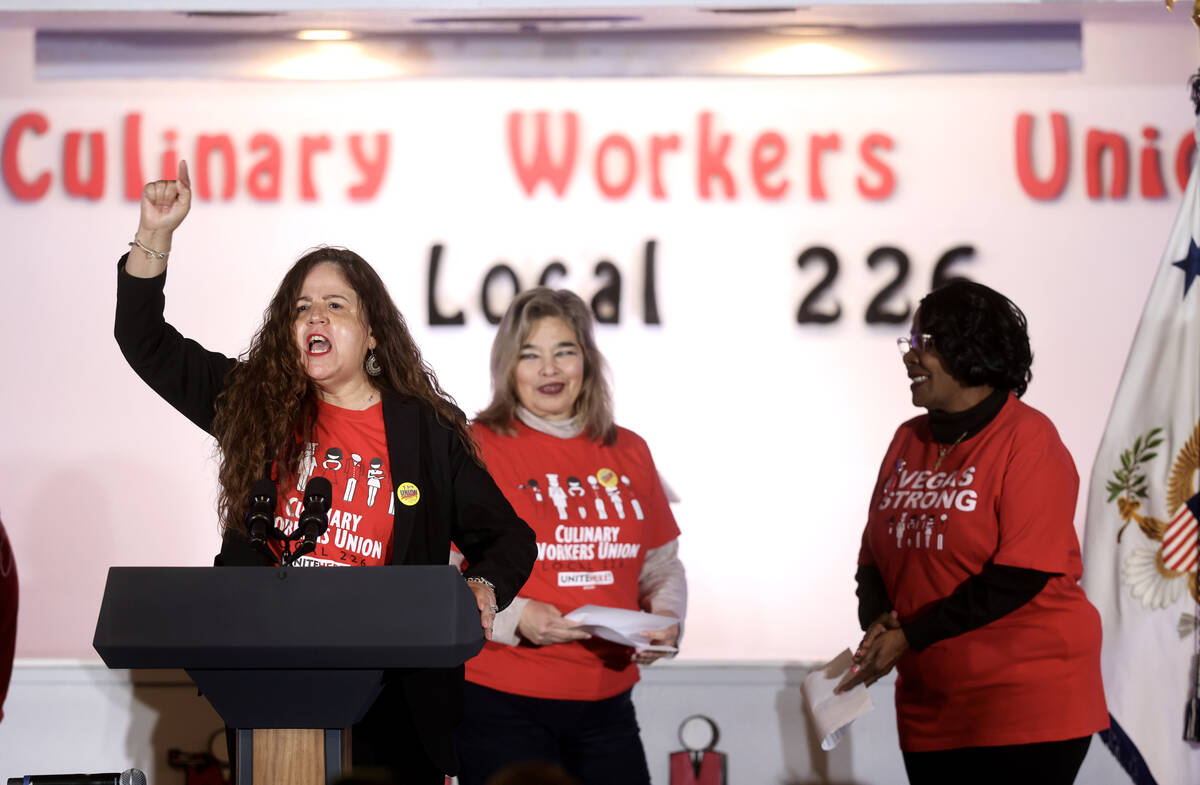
(622, 626)
(831, 713)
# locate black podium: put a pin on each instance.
(290, 657)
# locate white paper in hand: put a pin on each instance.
(831, 713)
(621, 625)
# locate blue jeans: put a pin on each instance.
(597, 742)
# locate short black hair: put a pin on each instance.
(980, 335)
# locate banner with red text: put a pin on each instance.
(751, 249)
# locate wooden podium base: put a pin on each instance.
(291, 756)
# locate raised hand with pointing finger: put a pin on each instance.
(332, 370)
(165, 203)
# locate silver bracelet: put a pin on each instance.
(484, 581)
(149, 251)
(487, 583)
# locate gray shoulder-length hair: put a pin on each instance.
(594, 404)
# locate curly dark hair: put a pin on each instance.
(980, 335)
(269, 406)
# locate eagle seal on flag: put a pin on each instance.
(1156, 575)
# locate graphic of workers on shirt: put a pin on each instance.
(354, 471)
(308, 462)
(354, 537)
(374, 480)
(613, 496)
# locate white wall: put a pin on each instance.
(97, 471)
(72, 717)
(792, 418)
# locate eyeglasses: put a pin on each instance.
(919, 342)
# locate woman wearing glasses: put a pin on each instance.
(969, 567)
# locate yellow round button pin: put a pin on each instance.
(607, 478)
(408, 494)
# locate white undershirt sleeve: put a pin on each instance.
(662, 584)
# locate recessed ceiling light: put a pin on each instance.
(810, 30)
(331, 60)
(324, 35)
(809, 58)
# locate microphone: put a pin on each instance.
(260, 517)
(127, 777)
(313, 517)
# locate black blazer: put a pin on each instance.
(459, 502)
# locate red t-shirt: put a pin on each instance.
(596, 510)
(1006, 495)
(349, 450)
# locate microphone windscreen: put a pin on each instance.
(319, 488)
(262, 488)
(137, 776)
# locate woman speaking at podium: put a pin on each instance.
(334, 386)
(542, 690)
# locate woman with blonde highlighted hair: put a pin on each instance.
(592, 407)
(542, 689)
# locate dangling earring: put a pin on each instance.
(373, 366)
